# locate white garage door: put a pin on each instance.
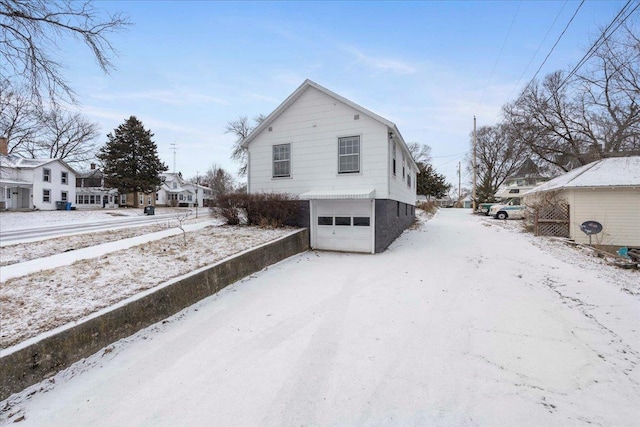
(343, 225)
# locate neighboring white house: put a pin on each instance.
(350, 167)
(91, 191)
(606, 191)
(35, 183)
(175, 191)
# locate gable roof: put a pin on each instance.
(13, 161)
(300, 90)
(605, 173)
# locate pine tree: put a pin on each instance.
(130, 160)
(430, 183)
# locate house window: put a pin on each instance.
(398, 209)
(403, 166)
(46, 175)
(63, 196)
(64, 177)
(148, 200)
(406, 209)
(123, 199)
(349, 154)
(409, 178)
(393, 162)
(141, 199)
(181, 197)
(46, 196)
(78, 199)
(282, 160)
(157, 197)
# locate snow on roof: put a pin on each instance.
(611, 172)
(338, 194)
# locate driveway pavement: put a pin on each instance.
(462, 322)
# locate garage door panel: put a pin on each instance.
(343, 225)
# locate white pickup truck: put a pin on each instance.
(511, 208)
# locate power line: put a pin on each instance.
(538, 49)
(557, 41)
(603, 38)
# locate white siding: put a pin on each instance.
(398, 187)
(618, 210)
(55, 184)
(312, 125)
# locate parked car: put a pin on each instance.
(511, 209)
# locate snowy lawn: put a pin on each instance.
(10, 220)
(465, 321)
(38, 302)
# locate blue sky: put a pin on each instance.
(186, 68)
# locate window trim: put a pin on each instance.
(47, 195)
(274, 161)
(350, 172)
(393, 158)
(64, 196)
(46, 175)
(64, 177)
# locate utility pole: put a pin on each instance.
(475, 165)
(459, 183)
(197, 183)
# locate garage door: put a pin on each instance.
(343, 225)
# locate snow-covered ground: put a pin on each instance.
(464, 321)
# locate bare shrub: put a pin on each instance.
(261, 209)
(429, 207)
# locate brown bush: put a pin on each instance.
(429, 207)
(260, 209)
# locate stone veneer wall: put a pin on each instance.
(26, 366)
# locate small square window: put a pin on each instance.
(361, 221)
(343, 220)
(325, 220)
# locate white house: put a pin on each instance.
(175, 191)
(350, 167)
(91, 192)
(606, 191)
(35, 183)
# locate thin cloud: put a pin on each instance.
(164, 96)
(380, 63)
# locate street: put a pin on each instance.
(465, 321)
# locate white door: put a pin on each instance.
(343, 225)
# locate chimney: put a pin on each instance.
(93, 166)
(4, 145)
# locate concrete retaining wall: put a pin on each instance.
(29, 365)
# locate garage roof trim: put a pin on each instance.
(338, 194)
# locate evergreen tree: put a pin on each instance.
(430, 183)
(130, 159)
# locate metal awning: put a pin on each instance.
(338, 194)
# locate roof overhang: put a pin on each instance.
(23, 184)
(338, 194)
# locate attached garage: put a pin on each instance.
(342, 221)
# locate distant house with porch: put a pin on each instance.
(34, 183)
(91, 191)
(176, 191)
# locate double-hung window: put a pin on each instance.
(64, 177)
(46, 175)
(46, 196)
(394, 158)
(349, 154)
(282, 161)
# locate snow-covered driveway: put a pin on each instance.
(462, 322)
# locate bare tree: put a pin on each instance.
(68, 136)
(421, 153)
(241, 128)
(497, 158)
(32, 31)
(19, 120)
(219, 180)
(571, 120)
